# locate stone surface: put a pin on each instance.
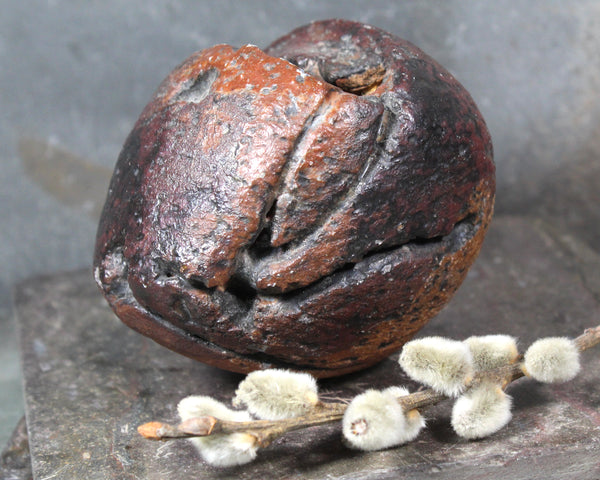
(570, 197)
(90, 381)
(15, 461)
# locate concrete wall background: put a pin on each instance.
(74, 76)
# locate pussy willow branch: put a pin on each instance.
(266, 431)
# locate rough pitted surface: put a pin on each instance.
(309, 206)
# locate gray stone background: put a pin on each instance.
(75, 75)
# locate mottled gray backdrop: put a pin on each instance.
(75, 75)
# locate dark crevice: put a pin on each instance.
(262, 247)
(199, 88)
(462, 224)
(198, 283)
(237, 286)
(242, 289)
(356, 76)
(125, 294)
(165, 269)
(460, 233)
(262, 244)
(423, 240)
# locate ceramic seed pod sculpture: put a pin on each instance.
(307, 206)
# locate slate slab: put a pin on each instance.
(90, 381)
(15, 461)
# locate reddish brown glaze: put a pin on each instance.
(310, 206)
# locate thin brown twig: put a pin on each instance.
(590, 338)
(265, 431)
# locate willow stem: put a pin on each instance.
(266, 431)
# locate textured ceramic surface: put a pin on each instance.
(312, 205)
